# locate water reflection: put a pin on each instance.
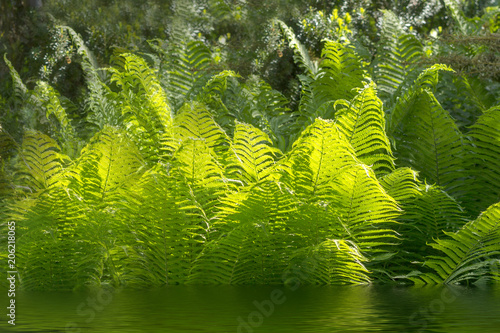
(262, 309)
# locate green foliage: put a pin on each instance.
(173, 169)
(397, 56)
(467, 255)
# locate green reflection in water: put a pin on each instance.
(261, 309)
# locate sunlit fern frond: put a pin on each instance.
(143, 103)
(316, 157)
(55, 251)
(340, 75)
(427, 139)
(332, 261)
(428, 79)
(188, 69)
(362, 122)
(108, 163)
(301, 54)
(253, 243)
(195, 121)
(49, 100)
(40, 162)
(166, 230)
(252, 154)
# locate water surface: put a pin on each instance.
(261, 309)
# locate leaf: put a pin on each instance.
(40, 161)
(252, 154)
(429, 141)
(330, 262)
(362, 122)
(301, 55)
(469, 254)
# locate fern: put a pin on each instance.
(49, 100)
(40, 162)
(428, 79)
(101, 102)
(253, 244)
(195, 121)
(109, 162)
(428, 140)
(20, 91)
(468, 255)
(53, 256)
(324, 172)
(301, 54)
(339, 76)
(164, 233)
(330, 262)
(187, 70)
(484, 161)
(397, 57)
(252, 155)
(316, 158)
(143, 102)
(362, 122)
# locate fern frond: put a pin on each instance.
(316, 157)
(398, 112)
(362, 122)
(188, 70)
(49, 99)
(143, 102)
(40, 161)
(109, 162)
(397, 56)
(428, 140)
(340, 75)
(340, 71)
(401, 184)
(101, 102)
(470, 254)
(253, 246)
(324, 171)
(215, 87)
(57, 252)
(252, 154)
(20, 90)
(301, 54)
(484, 160)
(195, 121)
(365, 211)
(333, 261)
(166, 232)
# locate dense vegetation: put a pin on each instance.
(168, 166)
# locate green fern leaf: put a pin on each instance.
(362, 122)
(253, 246)
(41, 161)
(469, 254)
(397, 56)
(252, 154)
(195, 121)
(109, 162)
(301, 55)
(484, 161)
(143, 102)
(330, 262)
(429, 141)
